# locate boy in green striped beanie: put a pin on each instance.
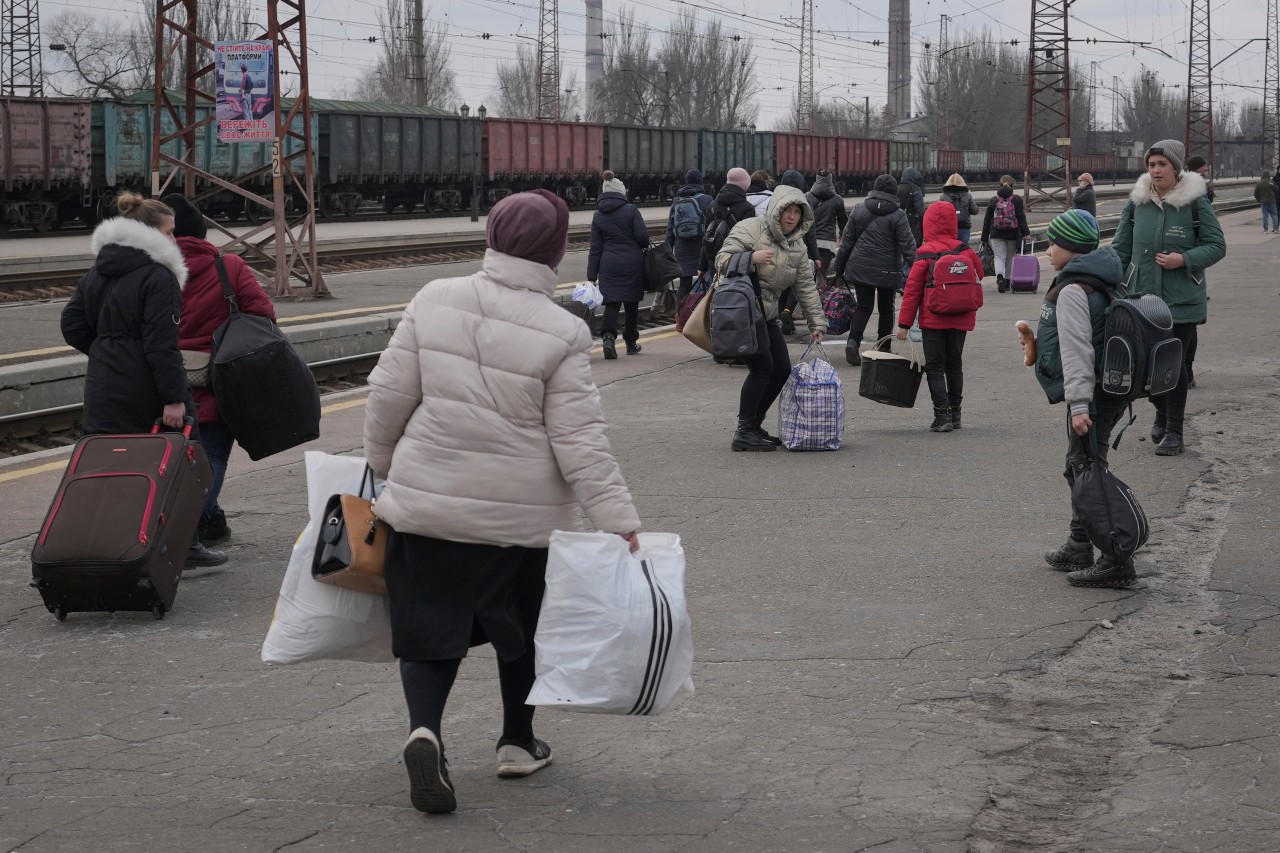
(1068, 350)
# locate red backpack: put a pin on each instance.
(952, 284)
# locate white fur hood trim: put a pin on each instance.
(1184, 193)
(129, 232)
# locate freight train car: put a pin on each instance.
(45, 161)
(904, 155)
(721, 150)
(395, 155)
(651, 161)
(564, 157)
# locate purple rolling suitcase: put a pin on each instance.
(1024, 277)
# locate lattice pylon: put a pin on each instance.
(1198, 137)
(942, 91)
(548, 102)
(804, 92)
(1048, 167)
(1270, 154)
(21, 68)
(288, 238)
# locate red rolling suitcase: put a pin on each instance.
(1024, 277)
(117, 533)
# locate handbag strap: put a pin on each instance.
(225, 280)
(367, 477)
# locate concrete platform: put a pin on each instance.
(882, 658)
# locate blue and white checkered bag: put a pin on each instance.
(811, 406)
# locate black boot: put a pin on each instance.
(772, 439)
(610, 352)
(200, 557)
(851, 353)
(1002, 284)
(1108, 573)
(955, 417)
(746, 438)
(633, 348)
(788, 321)
(1170, 445)
(1157, 428)
(941, 419)
(1071, 556)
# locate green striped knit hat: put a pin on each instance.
(1075, 230)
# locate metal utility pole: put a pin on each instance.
(548, 103)
(805, 106)
(1270, 155)
(288, 243)
(1048, 167)
(419, 58)
(1115, 109)
(21, 71)
(1198, 137)
(1091, 142)
(942, 93)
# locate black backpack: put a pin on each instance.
(1140, 355)
(720, 222)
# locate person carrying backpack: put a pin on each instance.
(1005, 228)
(780, 260)
(911, 200)
(618, 240)
(875, 244)
(686, 226)
(1067, 350)
(1167, 237)
(944, 290)
(956, 191)
(728, 209)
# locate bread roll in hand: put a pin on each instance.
(1027, 337)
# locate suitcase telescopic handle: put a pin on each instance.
(188, 424)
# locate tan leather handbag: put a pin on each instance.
(352, 548)
(698, 327)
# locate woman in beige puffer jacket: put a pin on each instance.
(780, 260)
(485, 422)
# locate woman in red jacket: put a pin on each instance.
(204, 309)
(943, 333)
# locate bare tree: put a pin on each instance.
(216, 20)
(391, 80)
(517, 94)
(1151, 111)
(839, 118)
(982, 87)
(96, 59)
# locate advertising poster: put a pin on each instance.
(245, 99)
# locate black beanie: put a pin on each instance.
(187, 219)
(886, 184)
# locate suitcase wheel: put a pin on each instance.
(157, 611)
(59, 612)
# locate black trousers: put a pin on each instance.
(1106, 412)
(869, 297)
(767, 372)
(1189, 353)
(1174, 404)
(943, 366)
(682, 290)
(609, 325)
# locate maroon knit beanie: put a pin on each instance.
(532, 225)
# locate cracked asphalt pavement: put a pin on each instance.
(883, 660)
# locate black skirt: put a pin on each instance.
(448, 596)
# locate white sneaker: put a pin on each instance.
(430, 790)
(522, 760)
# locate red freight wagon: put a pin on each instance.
(804, 153)
(45, 160)
(516, 149)
(949, 162)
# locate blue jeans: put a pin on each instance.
(963, 235)
(217, 440)
(1269, 215)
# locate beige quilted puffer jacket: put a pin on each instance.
(484, 419)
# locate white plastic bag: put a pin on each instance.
(319, 621)
(614, 634)
(588, 294)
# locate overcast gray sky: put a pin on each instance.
(846, 65)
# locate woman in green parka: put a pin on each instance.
(1168, 236)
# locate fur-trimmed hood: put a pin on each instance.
(1190, 186)
(131, 234)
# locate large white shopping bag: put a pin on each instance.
(614, 634)
(319, 621)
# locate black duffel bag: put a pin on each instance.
(660, 266)
(265, 391)
(1112, 516)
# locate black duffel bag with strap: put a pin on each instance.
(660, 266)
(265, 391)
(1111, 514)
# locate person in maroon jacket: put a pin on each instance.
(204, 309)
(943, 334)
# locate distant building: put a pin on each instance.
(899, 101)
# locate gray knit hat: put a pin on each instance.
(1172, 150)
(613, 185)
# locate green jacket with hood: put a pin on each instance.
(1148, 227)
(790, 266)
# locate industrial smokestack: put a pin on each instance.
(595, 51)
(899, 60)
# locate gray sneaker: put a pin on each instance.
(430, 790)
(522, 759)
